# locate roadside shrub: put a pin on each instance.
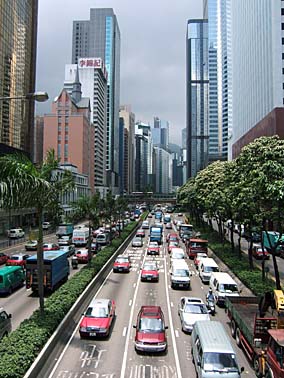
(21, 347)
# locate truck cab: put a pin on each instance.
(274, 365)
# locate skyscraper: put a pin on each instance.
(100, 37)
(197, 96)
(93, 77)
(258, 70)
(18, 35)
(217, 12)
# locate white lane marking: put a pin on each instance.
(130, 302)
(176, 332)
(172, 328)
(134, 284)
(172, 305)
(124, 331)
(74, 333)
(123, 367)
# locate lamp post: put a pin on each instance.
(37, 96)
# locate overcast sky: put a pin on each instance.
(152, 61)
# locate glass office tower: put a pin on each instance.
(100, 37)
(18, 33)
(197, 96)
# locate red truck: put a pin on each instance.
(195, 246)
(257, 335)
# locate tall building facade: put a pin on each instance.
(218, 14)
(100, 36)
(197, 96)
(18, 42)
(129, 127)
(69, 132)
(162, 166)
(258, 69)
(160, 132)
(93, 78)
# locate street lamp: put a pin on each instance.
(37, 96)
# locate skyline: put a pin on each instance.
(147, 89)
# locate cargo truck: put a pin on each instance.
(156, 234)
(196, 245)
(251, 328)
(56, 270)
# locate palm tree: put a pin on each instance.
(88, 207)
(22, 184)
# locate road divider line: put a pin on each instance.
(124, 360)
(124, 331)
(74, 333)
(130, 302)
(172, 328)
(176, 332)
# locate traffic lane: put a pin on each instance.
(184, 345)
(23, 302)
(102, 357)
(151, 364)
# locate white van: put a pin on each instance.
(179, 274)
(212, 351)
(103, 238)
(15, 233)
(145, 225)
(206, 267)
(223, 285)
(80, 236)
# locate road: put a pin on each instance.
(244, 248)
(115, 357)
(22, 302)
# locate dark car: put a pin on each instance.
(95, 247)
(3, 258)
(150, 327)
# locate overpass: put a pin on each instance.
(151, 198)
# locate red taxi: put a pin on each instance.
(150, 271)
(18, 259)
(153, 248)
(172, 237)
(171, 245)
(121, 264)
(82, 256)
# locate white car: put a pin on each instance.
(45, 225)
(191, 309)
(15, 233)
(137, 242)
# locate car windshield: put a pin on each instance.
(219, 361)
(153, 245)
(15, 258)
(150, 267)
(150, 325)
(96, 312)
(178, 255)
(228, 288)
(181, 273)
(195, 308)
(122, 260)
(209, 269)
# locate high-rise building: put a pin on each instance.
(197, 96)
(100, 36)
(258, 70)
(93, 79)
(162, 166)
(18, 36)
(143, 157)
(160, 133)
(38, 140)
(218, 14)
(129, 129)
(69, 131)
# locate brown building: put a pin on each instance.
(18, 37)
(272, 124)
(69, 132)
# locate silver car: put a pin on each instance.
(190, 310)
(137, 242)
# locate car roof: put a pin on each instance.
(223, 277)
(150, 311)
(194, 300)
(99, 302)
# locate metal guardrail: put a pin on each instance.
(65, 328)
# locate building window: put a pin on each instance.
(282, 56)
(282, 11)
(282, 26)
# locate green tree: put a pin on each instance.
(88, 207)
(22, 184)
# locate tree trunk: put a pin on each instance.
(40, 262)
(90, 242)
(276, 271)
(232, 236)
(250, 253)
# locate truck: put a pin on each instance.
(65, 229)
(80, 237)
(56, 270)
(250, 326)
(156, 234)
(275, 239)
(196, 245)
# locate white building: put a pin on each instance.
(93, 78)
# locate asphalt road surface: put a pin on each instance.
(115, 356)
